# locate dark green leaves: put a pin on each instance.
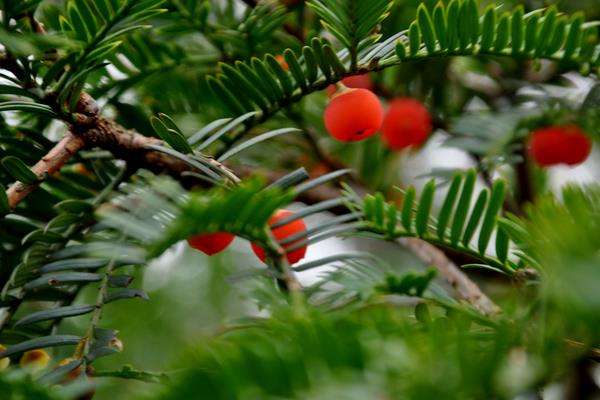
(60, 312)
(41, 343)
(18, 170)
(491, 213)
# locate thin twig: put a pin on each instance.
(51, 163)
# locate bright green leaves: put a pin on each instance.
(458, 28)
(427, 29)
(456, 223)
(269, 84)
(168, 131)
(352, 22)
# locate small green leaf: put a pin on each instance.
(41, 343)
(130, 293)
(76, 21)
(491, 213)
(400, 49)
(426, 27)
(407, 208)
(18, 170)
(317, 47)
(414, 38)
(558, 37)
(462, 208)
(336, 64)
(440, 25)
(295, 68)
(310, 63)
(453, 11)
(489, 28)
(175, 139)
(502, 33)
(27, 106)
(282, 75)
(476, 214)
(73, 264)
(60, 312)
(574, 38)
(517, 29)
(546, 31)
(531, 33)
(424, 209)
(448, 205)
(62, 278)
(473, 18)
(392, 219)
(502, 244)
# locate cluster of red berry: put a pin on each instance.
(213, 243)
(355, 113)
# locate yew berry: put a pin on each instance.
(559, 145)
(282, 232)
(407, 123)
(354, 82)
(211, 243)
(353, 114)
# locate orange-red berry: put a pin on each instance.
(353, 114)
(407, 123)
(211, 243)
(354, 82)
(282, 232)
(559, 145)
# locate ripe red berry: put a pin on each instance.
(211, 243)
(559, 145)
(353, 114)
(283, 232)
(406, 123)
(354, 82)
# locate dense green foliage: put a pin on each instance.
(129, 126)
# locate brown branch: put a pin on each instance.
(51, 163)
(91, 130)
(465, 287)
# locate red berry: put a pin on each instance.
(406, 123)
(211, 243)
(353, 114)
(354, 82)
(559, 145)
(283, 232)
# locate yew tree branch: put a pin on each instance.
(51, 163)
